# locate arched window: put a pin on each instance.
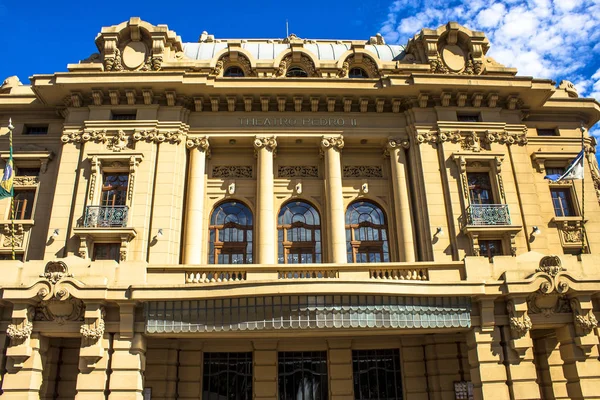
(299, 234)
(296, 72)
(366, 233)
(234, 72)
(230, 234)
(357, 73)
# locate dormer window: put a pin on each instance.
(357, 73)
(296, 72)
(234, 72)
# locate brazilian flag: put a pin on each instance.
(6, 185)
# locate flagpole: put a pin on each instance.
(12, 198)
(583, 246)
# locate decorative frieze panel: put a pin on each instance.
(98, 136)
(363, 171)
(26, 180)
(570, 232)
(472, 140)
(298, 171)
(234, 171)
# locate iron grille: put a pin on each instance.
(488, 214)
(105, 216)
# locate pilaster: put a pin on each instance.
(23, 377)
(265, 370)
(332, 148)
(128, 365)
(341, 385)
(580, 365)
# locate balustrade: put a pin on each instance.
(488, 214)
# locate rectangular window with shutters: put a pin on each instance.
(227, 376)
(376, 374)
(303, 375)
(562, 200)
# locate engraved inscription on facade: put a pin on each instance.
(236, 171)
(363, 171)
(298, 171)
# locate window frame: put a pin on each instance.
(570, 198)
(28, 127)
(217, 246)
(491, 240)
(249, 375)
(284, 246)
(353, 245)
(98, 244)
(123, 115)
(359, 354)
(364, 74)
(31, 213)
(547, 132)
(296, 68)
(241, 70)
(468, 117)
(305, 357)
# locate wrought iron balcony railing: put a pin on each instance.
(105, 216)
(488, 214)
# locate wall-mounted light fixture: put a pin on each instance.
(55, 233)
(536, 231)
(439, 231)
(159, 234)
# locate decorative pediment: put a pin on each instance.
(136, 45)
(453, 49)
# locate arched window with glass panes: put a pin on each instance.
(366, 233)
(230, 238)
(299, 234)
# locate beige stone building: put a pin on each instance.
(298, 219)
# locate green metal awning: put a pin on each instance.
(306, 312)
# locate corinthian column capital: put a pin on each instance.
(269, 143)
(333, 142)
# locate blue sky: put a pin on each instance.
(558, 39)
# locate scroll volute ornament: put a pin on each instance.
(550, 298)
(332, 142)
(269, 143)
(56, 303)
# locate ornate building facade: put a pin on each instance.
(298, 219)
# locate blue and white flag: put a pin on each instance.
(573, 171)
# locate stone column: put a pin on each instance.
(128, 365)
(194, 223)
(488, 373)
(265, 148)
(332, 147)
(404, 224)
(93, 354)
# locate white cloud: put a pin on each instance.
(557, 39)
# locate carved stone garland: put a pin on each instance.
(21, 328)
(98, 136)
(155, 136)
